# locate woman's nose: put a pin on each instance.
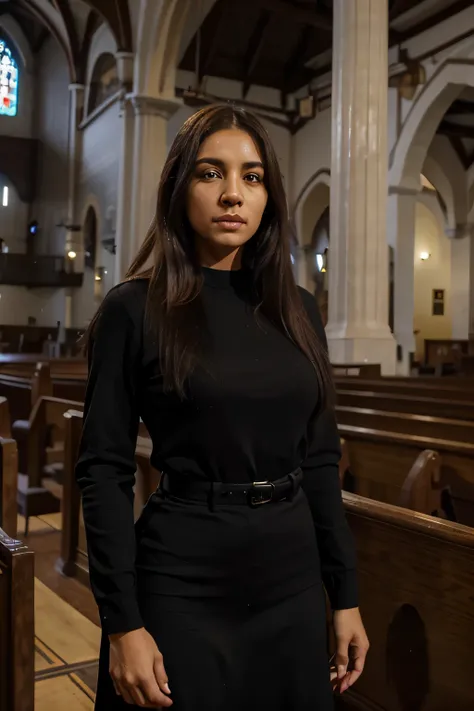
(231, 195)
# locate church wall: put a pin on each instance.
(51, 128)
(14, 216)
(42, 114)
(21, 125)
(98, 182)
(434, 273)
(311, 148)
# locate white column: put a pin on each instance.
(125, 62)
(401, 224)
(358, 329)
(74, 240)
(149, 154)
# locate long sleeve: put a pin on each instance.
(105, 469)
(321, 485)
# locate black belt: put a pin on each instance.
(252, 494)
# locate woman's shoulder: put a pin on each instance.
(127, 297)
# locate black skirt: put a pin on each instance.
(234, 599)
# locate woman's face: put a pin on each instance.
(226, 196)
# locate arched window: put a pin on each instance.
(104, 81)
(8, 82)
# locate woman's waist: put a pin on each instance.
(172, 532)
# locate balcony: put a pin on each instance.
(37, 270)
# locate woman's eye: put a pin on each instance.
(253, 178)
(210, 174)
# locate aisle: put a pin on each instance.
(66, 651)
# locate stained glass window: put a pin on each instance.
(8, 82)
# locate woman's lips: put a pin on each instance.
(232, 225)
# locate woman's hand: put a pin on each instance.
(137, 670)
(352, 647)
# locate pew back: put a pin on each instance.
(381, 460)
(394, 402)
(416, 580)
(405, 423)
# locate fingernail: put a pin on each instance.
(340, 672)
(168, 690)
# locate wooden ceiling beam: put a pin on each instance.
(294, 13)
(116, 14)
(446, 128)
(210, 50)
(64, 9)
(460, 151)
(461, 107)
(437, 18)
(256, 44)
(296, 60)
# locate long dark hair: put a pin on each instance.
(174, 309)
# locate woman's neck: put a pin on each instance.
(225, 262)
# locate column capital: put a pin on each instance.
(76, 87)
(144, 105)
(464, 229)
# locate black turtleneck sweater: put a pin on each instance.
(249, 417)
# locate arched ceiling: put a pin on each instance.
(73, 23)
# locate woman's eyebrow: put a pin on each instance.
(221, 163)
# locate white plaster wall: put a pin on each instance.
(52, 122)
(434, 273)
(98, 183)
(311, 152)
(13, 218)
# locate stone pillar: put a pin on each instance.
(149, 154)
(74, 242)
(125, 178)
(401, 217)
(358, 329)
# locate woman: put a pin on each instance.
(215, 601)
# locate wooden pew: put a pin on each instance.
(73, 557)
(16, 597)
(394, 402)
(23, 379)
(418, 488)
(361, 370)
(8, 472)
(416, 578)
(41, 457)
(379, 461)
(455, 388)
(22, 392)
(421, 425)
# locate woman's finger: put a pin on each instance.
(138, 697)
(342, 658)
(124, 693)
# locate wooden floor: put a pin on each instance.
(66, 627)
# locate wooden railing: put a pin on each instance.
(36, 271)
